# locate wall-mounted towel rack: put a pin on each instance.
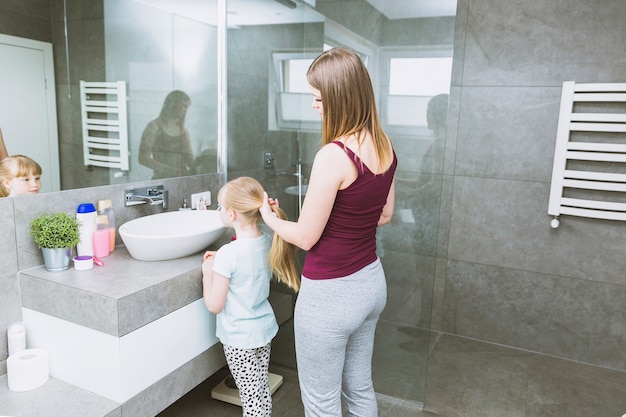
(105, 129)
(589, 171)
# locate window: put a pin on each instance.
(290, 99)
(289, 94)
(294, 75)
(414, 77)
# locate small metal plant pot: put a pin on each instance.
(56, 260)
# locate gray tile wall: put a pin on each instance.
(27, 19)
(510, 278)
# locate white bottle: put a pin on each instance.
(86, 215)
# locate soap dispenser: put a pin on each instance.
(185, 205)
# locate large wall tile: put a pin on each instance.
(8, 249)
(460, 34)
(413, 228)
(409, 288)
(507, 132)
(9, 284)
(505, 223)
(27, 18)
(540, 43)
(559, 316)
(26, 208)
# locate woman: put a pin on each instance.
(165, 144)
(343, 288)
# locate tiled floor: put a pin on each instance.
(198, 402)
(466, 378)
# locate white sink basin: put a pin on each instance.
(171, 235)
(293, 190)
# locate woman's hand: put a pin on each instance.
(266, 209)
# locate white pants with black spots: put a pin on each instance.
(249, 368)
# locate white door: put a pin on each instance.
(28, 104)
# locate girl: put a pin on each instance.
(19, 175)
(236, 284)
(350, 194)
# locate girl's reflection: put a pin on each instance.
(19, 175)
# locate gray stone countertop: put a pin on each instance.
(119, 297)
(55, 398)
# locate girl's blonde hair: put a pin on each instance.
(245, 196)
(16, 166)
(348, 99)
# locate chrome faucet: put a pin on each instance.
(153, 196)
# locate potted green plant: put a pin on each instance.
(55, 234)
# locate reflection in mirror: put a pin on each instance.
(165, 145)
(155, 47)
(19, 175)
(30, 127)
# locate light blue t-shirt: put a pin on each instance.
(247, 320)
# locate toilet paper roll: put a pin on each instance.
(28, 369)
(16, 338)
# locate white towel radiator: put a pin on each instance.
(104, 124)
(589, 171)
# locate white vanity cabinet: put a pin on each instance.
(135, 333)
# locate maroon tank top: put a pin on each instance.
(348, 242)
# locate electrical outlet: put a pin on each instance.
(268, 160)
(197, 198)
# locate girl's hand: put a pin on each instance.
(207, 264)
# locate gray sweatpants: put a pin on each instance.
(335, 321)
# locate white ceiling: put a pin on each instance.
(254, 12)
(407, 9)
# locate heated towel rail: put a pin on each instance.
(104, 124)
(589, 170)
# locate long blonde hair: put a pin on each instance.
(245, 196)
(16, 166)
(348, 99)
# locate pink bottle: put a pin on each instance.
(101, 237)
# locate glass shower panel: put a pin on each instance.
(264, 77)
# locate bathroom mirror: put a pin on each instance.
(165, 54)
(102, 114)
